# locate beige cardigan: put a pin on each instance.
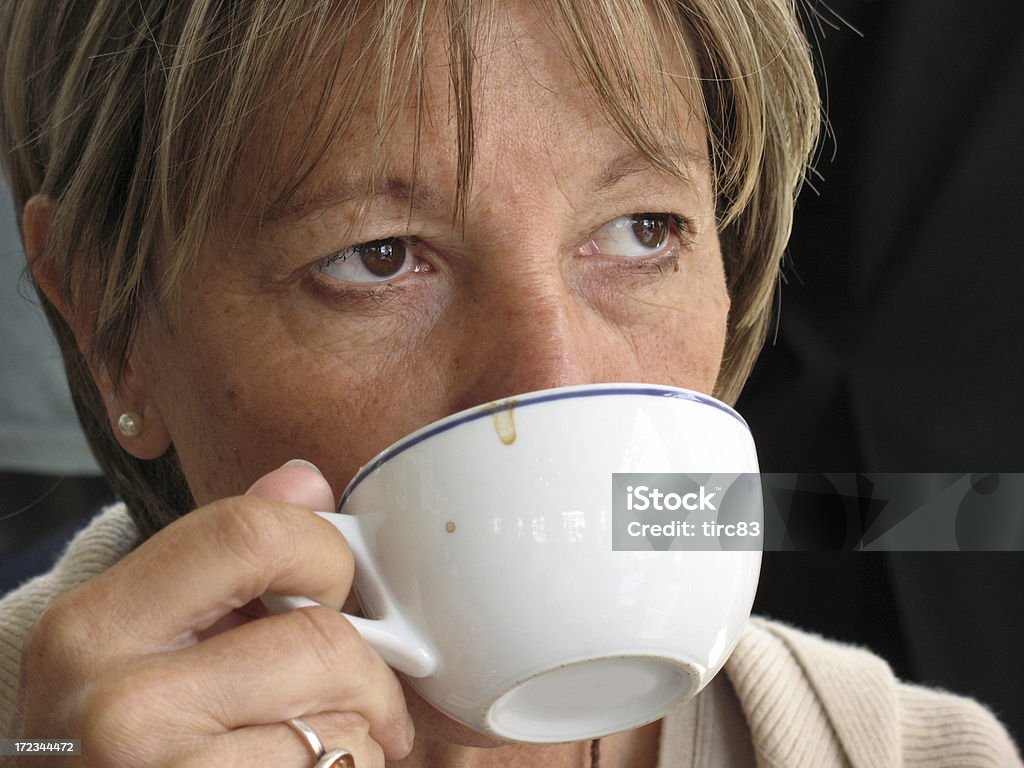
(807, 702)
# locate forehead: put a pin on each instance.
(430, 109)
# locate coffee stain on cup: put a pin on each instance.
(450, 526)
(505, 424)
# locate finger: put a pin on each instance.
(214, 560)
(297, 482)
(278, 744)
(310, 660)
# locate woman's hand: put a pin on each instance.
(159, 661)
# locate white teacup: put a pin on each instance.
(483, 548)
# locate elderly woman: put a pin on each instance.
(284, 234)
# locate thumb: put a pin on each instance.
(296, 482)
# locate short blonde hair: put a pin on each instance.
(132, 117)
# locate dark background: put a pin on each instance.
(898, 339)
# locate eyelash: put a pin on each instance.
(682, 230)
(685, 227)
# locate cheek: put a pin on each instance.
(713, 322)
(683, 340)
(242, 395)
(248, 421)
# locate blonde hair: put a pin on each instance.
(132, 117)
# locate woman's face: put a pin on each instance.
(329, 330)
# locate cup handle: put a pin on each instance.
(390, 635)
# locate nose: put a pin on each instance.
(520, 334)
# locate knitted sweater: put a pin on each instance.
(806, 701)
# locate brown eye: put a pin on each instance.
(383, 258)
(634, 236)
(375, 261)
(650, 231)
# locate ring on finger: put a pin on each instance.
(309, 736)
(337, 758)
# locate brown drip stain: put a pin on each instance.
(505, 423)
(449, 526)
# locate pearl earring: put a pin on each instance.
(129, 424)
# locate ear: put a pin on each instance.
(131, 395)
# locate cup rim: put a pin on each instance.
(537, 397)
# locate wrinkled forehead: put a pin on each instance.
(394, 93)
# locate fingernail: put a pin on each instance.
(302, 463)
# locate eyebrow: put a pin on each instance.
(632, 162)
(343, 191)
(421, 196)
